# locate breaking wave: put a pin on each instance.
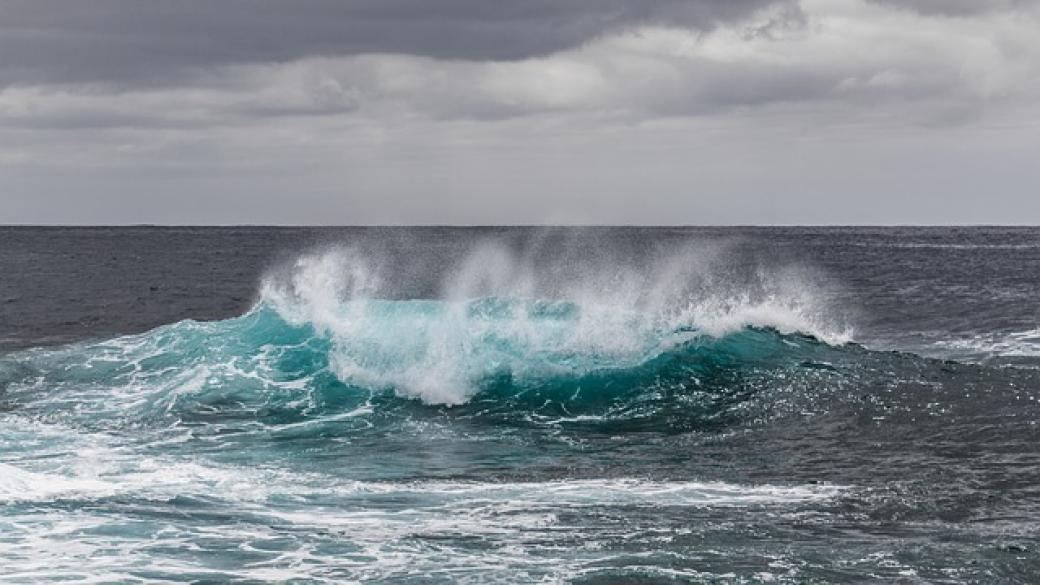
(328, 336)
(335, 348)
(500, 319)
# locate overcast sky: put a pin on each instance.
(520, 111)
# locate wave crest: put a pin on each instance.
(500, 316)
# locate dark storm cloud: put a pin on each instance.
(955, 7)
(131, 41)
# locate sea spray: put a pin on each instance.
(503, 314)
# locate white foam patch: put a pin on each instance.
(1014, 344)
(105, 475)
(18, 485)
(621, 491)
(112, 474)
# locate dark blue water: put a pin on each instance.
(513, 405)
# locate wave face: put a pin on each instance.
(497, 323)
(566, 416)
(518, 358)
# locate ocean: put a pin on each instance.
(519, 405)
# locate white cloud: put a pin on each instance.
(847, 52)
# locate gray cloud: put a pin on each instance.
(956, 7)
(61, 41)
(477, 111)
(865, 60)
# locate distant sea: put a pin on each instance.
(519, 405)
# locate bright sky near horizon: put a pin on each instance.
(529, 111)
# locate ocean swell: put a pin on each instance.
(327, 341)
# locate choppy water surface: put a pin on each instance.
(520, 405)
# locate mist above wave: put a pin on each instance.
(544, 311)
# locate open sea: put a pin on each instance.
(519, 405)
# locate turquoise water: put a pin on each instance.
(262, 445)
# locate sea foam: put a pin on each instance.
(500, 313)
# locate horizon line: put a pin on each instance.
(517, 225)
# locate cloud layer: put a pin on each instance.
(118, 88)
(133, 41)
